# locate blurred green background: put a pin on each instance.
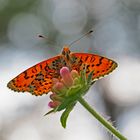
(116, 25)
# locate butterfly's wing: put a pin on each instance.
(100, 65)
(37, 79)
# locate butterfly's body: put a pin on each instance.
(38, 79)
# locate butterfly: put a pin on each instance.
(38, 79)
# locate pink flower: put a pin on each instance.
(61, 86)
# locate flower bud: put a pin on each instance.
(59, 87)
(66, 76)
(55, 97)
(54, 104)
(74, 74)
(54, 81)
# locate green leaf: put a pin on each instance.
(65, 115)
(68, 100)
(89, 78)
(51, 111)
(83, 76)
(72, 94)
(73, 90)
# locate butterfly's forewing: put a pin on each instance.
(37, 79)
(100, 65)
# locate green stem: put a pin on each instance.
(102, 120)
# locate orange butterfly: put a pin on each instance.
(38, 79)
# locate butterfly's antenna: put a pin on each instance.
(89, 32)
(46, 38)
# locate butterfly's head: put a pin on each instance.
(66, 51)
